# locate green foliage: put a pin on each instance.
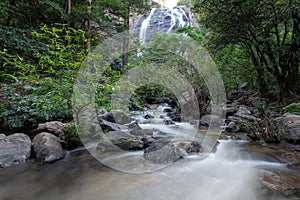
(71, 136)
(184, 3)
(25, 112)
(266, 30)
(41, 92)
(292, 108)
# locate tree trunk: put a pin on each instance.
(69, 22)
(89, 8)
(126, 40)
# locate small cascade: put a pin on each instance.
(145, 24)
(161, 20)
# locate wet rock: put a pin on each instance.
(14, 149)
(176, 117)
(281, 182)
(290, 125)
(164, 150)
(232, 128)
(47, 147)
(109, 126)
(133, 125)
(168, 122)
(124, 140)
(115, 116)
(141, 132)
(211, 120)
(189, 146)
(148, 116)
(147, 140)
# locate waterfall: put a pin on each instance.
(161, 20)
(145, 24)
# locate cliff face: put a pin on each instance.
(161, 20)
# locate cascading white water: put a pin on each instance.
(161, 20)
(145, 24)
(231, 173)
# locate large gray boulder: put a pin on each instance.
(47, 147)
(110, 126)
(14, 149)
(55, 127)
(166, 151)
(290, 126)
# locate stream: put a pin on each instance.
(230, 173)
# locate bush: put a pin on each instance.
(24, 112)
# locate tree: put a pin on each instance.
(268, 30)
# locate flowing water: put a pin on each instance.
(230, 173)
(161, 20)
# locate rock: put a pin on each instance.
(124, 140)
(147, 140)
(211, 120)
(141, 132)
(120, 117)
(176, 117)
(168, 122)
(164, 150)
(47, 147)
(168, 110)
(245, 113)
(133, 125)
(290, 125)
(55, 127)
(148, 116)
(162, 20)
(281, 182)
(232, 127)
(14, 149)
(115, 116)
(109, 126)
(189, 147)
(230, 111)
(108, 116)
(243, 110)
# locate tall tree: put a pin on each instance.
(269, 31)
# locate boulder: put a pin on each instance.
(147, 140)
(47, 147)
(114, 116)
(55, 127)
(124, 140)
(120, 117)
(245, 112)
(133, 125)
(109, 126)
(281, 183)
(14, 149)
(290, 126)
(176, 117)
(230, 110)
(211, 120)
(141, 132)
(164, 150)
(232, 127)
